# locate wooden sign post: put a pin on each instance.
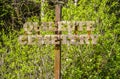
(57, 46)
(58, 26)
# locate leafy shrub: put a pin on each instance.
(100, 61)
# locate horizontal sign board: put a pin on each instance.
(62, 26)
(75, 25)
(54, 39)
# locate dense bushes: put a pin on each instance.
(14, 13)
(99, 61)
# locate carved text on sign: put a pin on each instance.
(69, 26)
(51, 39)
(31, 28)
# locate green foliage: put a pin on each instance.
(26, 62)
(5, 11)
(100, 61)
(15, 12)
(95, 62)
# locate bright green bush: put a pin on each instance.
(102, 60)
(24, 62)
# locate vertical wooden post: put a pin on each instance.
(57, 64)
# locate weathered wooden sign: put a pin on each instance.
(62, 26)
(31, 28)
(33, 35)
(50, 39)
